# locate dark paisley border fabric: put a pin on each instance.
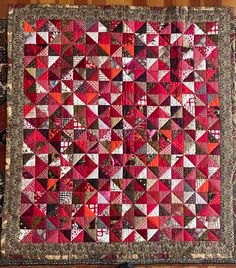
(3, 106)
(233, 47)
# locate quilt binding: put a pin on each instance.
(134, 252)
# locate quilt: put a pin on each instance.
(120, 135)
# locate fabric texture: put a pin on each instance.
(123, 135)
(3, 107)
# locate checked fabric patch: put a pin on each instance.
(121, 135)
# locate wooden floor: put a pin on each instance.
(159, 3)
(137, 266)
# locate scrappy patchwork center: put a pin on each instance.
(121, 132)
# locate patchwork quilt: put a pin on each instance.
(120, 135)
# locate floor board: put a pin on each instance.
(137, 266)
(159, 3)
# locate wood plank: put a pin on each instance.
(136, 266)
(159, 3)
